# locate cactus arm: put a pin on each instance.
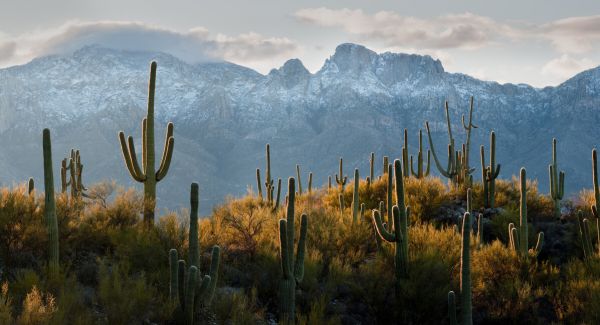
(452, 308)
(167, 154)
(300, 252)
(399, 184)
(144, 144)
(390, 193)
(190, 293)
(214, 274)
(258, 184)
(355, 197)
(445, 172)
(465, 272)
(276, 204)
(181, 282)
(299, 179)
(283, 251)
(539, 244)
(174, 281)
(428, 163)
(381, 230)
(135, 172)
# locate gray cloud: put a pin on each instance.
(569, 35)
(194, 45)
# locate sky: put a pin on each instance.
(537, 42)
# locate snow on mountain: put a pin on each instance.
(224, 114)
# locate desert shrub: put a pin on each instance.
(5, 305)
(425, 197)
(578, 298)
(539, 207)
(317, 314)
(128, 298)
(38, 308)
(22, 230)
(235, 307)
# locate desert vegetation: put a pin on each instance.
(396, 247)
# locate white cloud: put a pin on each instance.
(565, 67)
(464, 31)
(194, 45)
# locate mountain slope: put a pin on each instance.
(358, 102)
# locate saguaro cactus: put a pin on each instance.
(74, 167)
(405, 166)
(50, 205)
(466, 170)
(465, 278)
(147, 174)
(489, 173)
(371, 168)
(196, 291)
(355, 198)
(519, 236)
(30, 186)
(269, 187)
(397, 230)
(586, 236)
(596, 205)
(451, 170)
(292, 271)
(420, 173)
(557, 181)
(340, 179)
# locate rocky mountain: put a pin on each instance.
(224, 114)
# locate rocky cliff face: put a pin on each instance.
(358, 102)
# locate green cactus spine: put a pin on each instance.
(355, 198)
(397, 231)
(292, 271)
(557, 182)
(340, 179)
(147, 174)
(420, 173)
(465, 277)
(50, 206)
(489, 173)
(519, 237)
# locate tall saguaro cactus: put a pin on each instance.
(452, 168)
(292, 271)
(596, 205)
(50, 205)
(397, 230)
(355, 198)
(196, 290)
(420, 173)
(340, 179)
(269, 187)
(147, 174)
(519, 236)
(405, 166)
(557, 181)
(465, 278)
(466, 169)
(489, 173)
(75, 169)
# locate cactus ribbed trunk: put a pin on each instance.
(50, 206)
(465, 272)
(523, 235)
(194, 254)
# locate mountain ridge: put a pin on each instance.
(224, 114)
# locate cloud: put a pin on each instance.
(464, 31)
(565, 67)
(574, 34)
(195, 45)
(449, 31)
